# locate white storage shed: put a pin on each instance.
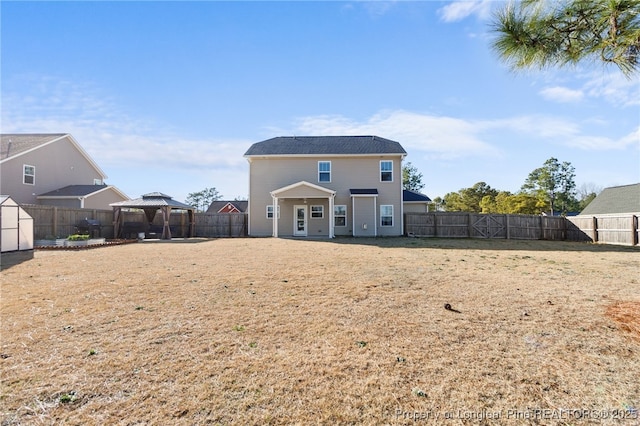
(17, 232)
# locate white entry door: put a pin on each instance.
(300, 221)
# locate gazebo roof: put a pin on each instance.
(153, 199)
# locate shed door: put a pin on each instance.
(300, 221)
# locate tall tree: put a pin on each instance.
(554, 184)
(202, 199)
(468, 199)
(411, 178)
(548, 33)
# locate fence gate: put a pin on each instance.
(488, 226)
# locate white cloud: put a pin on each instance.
(108, 133)
(562, 94)
(440, 137)
(615, 89)
(459, 10)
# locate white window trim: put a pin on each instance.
(330, 177)
(24, 174)
(386, 171)
(382, 206)
(267, 211)
(311, 212)
(336, 216)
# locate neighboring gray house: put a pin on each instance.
(415, 202)
(52, 169)
(615, 200)
(325, 186)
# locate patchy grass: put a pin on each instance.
(350, 331)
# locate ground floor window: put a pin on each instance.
(317, 212)
(386, 215)
(340, 215)
(270, 212)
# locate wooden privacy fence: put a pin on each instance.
(611, 229)
(480, 225)
(52, 222)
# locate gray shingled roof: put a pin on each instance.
(74, 191)
(325, 145)
(153, 199)
(14, 144)
(363, 191)
(409, 196)
(616, 199)
(217, 205)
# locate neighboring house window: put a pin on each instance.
(340, 215)
(324, 171)
(386, 215)
(97, 181)
(29, 175)
(386, 171)
(317, 212)
(270, 212)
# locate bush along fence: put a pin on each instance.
(622, 229)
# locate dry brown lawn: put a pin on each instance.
(350, 331)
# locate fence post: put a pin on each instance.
(541, 221)
(634, 230)
(469, 226)
(54, 219)
(594, 235)
(508, 227)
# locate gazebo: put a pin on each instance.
(150, 204)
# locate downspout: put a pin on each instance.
(331, 218)
(375, 216)
(275, 216)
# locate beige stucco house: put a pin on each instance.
(53, 169)
(325, 186)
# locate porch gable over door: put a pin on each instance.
(303, 189)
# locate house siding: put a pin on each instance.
(267, 174)
(56, 165)
(102, 198)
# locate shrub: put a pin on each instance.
(78, 237)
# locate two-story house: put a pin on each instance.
(53, 169)
(325, 186)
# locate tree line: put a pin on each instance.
(549, 189)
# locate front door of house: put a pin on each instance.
(300, 221)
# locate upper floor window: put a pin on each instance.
(386, 171)
(97, 182)
(386, 215)
(324, 171)
(29, 175)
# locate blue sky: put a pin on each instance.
(167, 96)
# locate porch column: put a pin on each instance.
(275, 217)
(331, 220)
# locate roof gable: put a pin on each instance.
(616, 199)
(325, 145)
(15, 144)
(220, 206)
(302, 189)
